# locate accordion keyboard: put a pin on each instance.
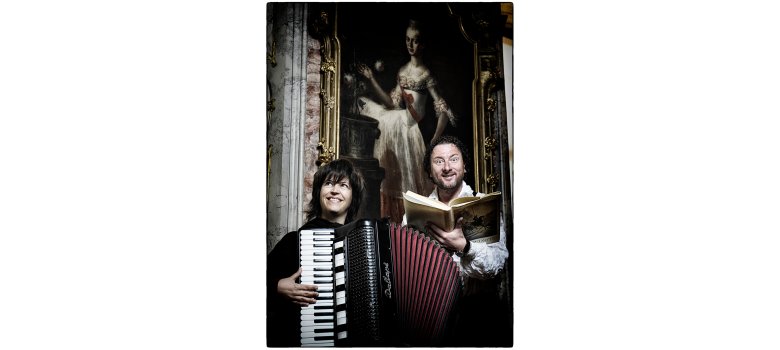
(316, 257)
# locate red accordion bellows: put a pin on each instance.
(427, 283)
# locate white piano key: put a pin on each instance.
(314, 317)
(316, 243)
(309, 251)
(328, 231)
(326, 287)
(322, 268)
(323, 302)
(313, 268)
(320, 344)
(310, 239)
(309, 235)
(317, 273)
(310, 255)
(312, 279)
(305, 323)
(340, 281)
(306, 311)
(342, 335)
(316, 327)
(306, 255)
(339, 244)
(312, 334)
(322, 308)
(340, 275)
(325, 295)
(312, 342)
(316, 263)
(318, 279)
(341, 301)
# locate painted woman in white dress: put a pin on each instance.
(400, 147)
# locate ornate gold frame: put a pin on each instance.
(330, 70)
(486, 87)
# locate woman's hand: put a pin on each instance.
(453, 240)
(365, 71)
(300, 294)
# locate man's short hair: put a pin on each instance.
(443, 140)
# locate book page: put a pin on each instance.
(418, 215)
(420, 199)
(480, 218)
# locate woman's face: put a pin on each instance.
(413, 41)
(335, 199)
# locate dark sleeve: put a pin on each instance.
(282, 315)
(282, 262)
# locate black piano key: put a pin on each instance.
(324, 338)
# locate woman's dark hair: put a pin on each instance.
(443, 140)
(336, 171)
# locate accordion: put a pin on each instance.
(379, 284)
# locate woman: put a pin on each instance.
(336, 195)
(400, 147)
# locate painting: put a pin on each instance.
(397, 75)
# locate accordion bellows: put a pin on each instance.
(427, 282)
(399, 286)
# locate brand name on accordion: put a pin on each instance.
(386, 278)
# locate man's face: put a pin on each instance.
(447, 167)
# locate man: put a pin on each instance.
(482, 319)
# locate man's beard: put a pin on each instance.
(441, 185)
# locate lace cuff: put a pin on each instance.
(442, 109)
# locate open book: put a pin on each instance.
(480, 214)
